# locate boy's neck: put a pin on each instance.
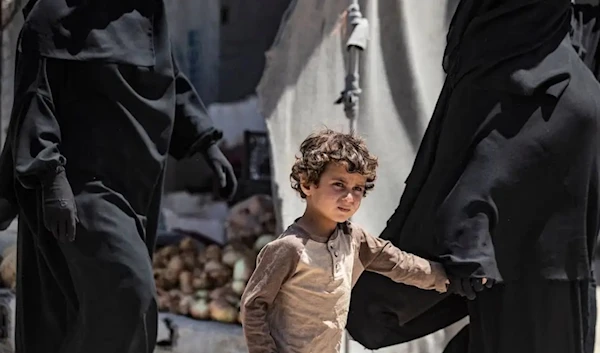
(316, 224)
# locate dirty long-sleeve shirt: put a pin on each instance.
(298, 297)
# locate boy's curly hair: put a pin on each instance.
(326, 146)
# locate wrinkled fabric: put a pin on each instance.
(108, 31)
(535, 322)
(481, 42)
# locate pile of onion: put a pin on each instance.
(205, 283)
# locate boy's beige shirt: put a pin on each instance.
(298, 297)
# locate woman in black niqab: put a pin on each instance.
(504, 187)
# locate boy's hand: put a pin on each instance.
(441, 278)
(469, 287)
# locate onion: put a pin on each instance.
(222, 311)
(262, 241)
(243, 268)
(200, 310)
(201, 281)
(238, 287)
(213, 252)
(230, 256)
(188, 244)
(185, 282)
(184, 305)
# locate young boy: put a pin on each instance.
(297, 298)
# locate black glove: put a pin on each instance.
(468, 287)
(223, 170)
(58, 205)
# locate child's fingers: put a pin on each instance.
(487, 282)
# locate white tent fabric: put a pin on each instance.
(401, 77)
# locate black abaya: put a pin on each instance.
(504, 186)
(96, 91)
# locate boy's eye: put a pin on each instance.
(359, 189)
(338, 184)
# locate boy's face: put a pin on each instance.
(338, 194)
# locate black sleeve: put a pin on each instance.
(469, 214)
(38, 137)
(510, 182)
(193, 130)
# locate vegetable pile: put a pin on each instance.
(205, 282)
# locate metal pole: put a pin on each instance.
(352, 79)
(356, 44)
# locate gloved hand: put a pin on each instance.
(469, 287)
(58, 204)
(223, 170)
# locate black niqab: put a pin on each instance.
(487, 33)
(120, 31)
